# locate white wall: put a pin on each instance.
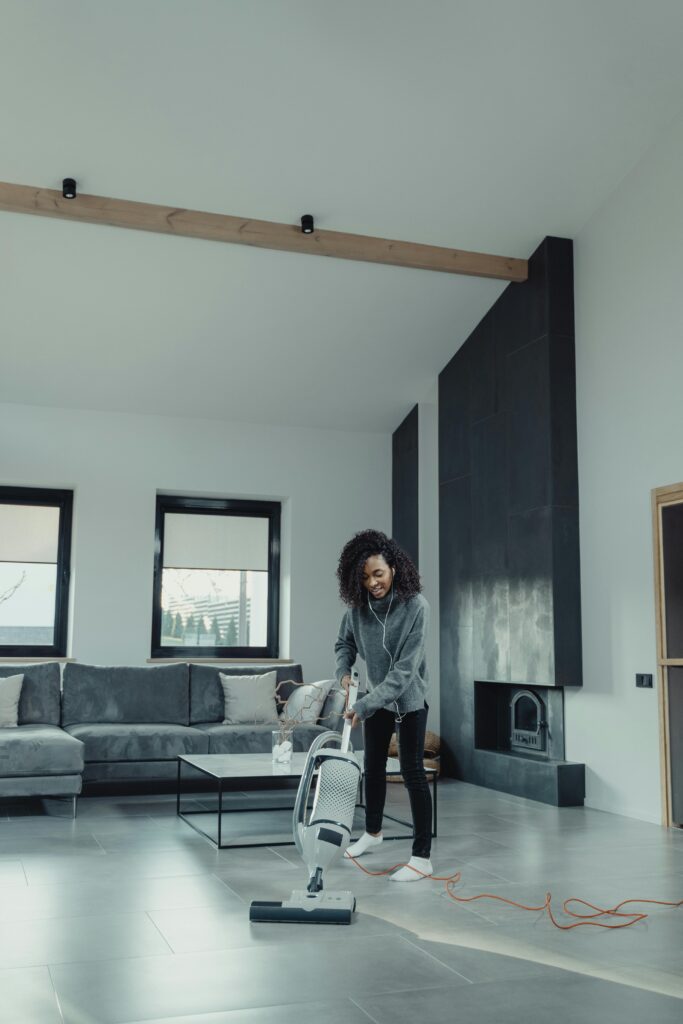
(332, 484)
(629, 347)
(428, 519)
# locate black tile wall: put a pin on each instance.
(566, 596)
(454, 429)
(528, 411)
(564, 470)
(509, 543)
(455, 552)
(404, 485)
(532, 636)
(482, 370)
(489, 496)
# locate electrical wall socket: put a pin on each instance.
(644, 680)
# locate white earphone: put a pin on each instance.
(399, 717)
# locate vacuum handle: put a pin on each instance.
(351, 700)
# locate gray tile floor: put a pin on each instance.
(127, 915)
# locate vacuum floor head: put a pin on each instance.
(326, 907)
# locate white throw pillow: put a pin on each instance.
(305, 703)
(249, 700)
(10, 692)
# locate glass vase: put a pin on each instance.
(282, 747)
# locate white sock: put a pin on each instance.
(363, 845)
(422, 865)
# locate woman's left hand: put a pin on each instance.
(353, 717)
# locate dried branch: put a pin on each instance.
(11, 591)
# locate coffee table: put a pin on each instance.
(224, 769)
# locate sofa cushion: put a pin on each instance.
(249, 699)
(10, 692)
(253, 739)
(120, 694)
(206, 692)
(139, 742)
(39, 750)
(41, 785)
(39, 702)
(305, 702)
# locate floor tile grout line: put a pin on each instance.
(229, 888)
(56, 994)
(148, 915)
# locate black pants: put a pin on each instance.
(378, 729)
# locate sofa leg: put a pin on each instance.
(74, 805)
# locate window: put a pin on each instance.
(216, 578)
(35, 565)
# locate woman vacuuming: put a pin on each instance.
(386, 623)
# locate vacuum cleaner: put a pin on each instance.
(323, 838)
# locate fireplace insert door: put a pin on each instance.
(668, 530)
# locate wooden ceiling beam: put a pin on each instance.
(263, 234)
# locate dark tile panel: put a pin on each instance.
(560, 285)
(405, 437)
(457, 699)
(405, 487)
(554, 705)
(567, 597)
(491, 628)
(532, 658)
(512, 321)
(489, 496)
(480, 355)
(529, 446)
(455, 552)
(564, 459)
(454, 404)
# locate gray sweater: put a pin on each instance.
(398, 688)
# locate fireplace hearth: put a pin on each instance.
(519, 743)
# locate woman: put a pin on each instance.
(386, 623)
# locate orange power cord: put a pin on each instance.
(583, 919)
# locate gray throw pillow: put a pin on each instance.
(10, 692)
(249, 700)
(305, 702)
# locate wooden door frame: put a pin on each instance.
(661, 498)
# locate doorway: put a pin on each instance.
(667, 509)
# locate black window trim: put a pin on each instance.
(220, 506)
(63, 500)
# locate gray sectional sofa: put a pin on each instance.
(39, 758)
(116, 725)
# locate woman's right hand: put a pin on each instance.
(346, 683)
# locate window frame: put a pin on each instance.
(63, 500)
(271, 510)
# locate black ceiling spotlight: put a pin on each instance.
(307, 223)
(69, 188)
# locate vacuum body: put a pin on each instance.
(321, 836)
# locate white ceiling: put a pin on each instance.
(478, 124)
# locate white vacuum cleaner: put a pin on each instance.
(322, 839)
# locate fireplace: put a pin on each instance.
(520, 721)
(528, 723)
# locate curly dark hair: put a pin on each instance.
(355, 554)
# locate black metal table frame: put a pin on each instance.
(185, 815)
(401, 821)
